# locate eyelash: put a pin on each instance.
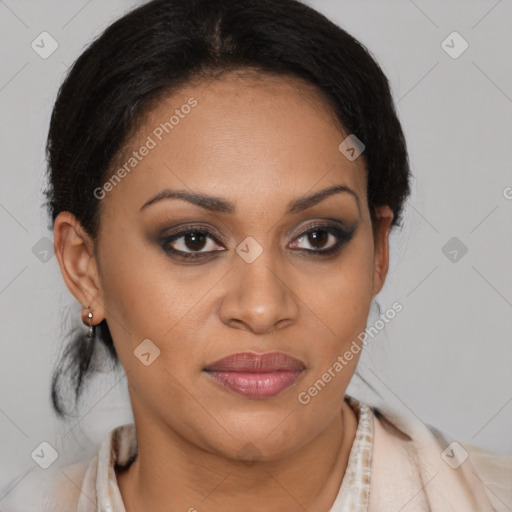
(342, 236)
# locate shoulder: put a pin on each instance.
(56, 489)
(494, 469)
(456, 472)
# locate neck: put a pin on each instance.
(171, 474)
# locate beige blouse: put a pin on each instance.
(120, 447)
(396, 463)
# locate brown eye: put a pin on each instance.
(194, 241)
(317, 238)
(190, 243)
(322, 240)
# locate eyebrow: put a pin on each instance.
(220, 205)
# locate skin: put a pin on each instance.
(260, 142)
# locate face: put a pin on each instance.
(254, 268)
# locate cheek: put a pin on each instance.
(342, 296)
(137, 282)
(343, 307)
(140, 302)
(148, 297)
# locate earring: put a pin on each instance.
(90, 334)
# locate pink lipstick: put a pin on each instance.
(256, 375)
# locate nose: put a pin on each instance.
(260, 297)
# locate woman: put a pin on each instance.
(224, 177)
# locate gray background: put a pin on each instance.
(447, 356)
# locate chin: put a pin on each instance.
(265, 438)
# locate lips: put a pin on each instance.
(256, 375)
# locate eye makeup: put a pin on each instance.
(196, 242)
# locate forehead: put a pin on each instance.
(239, 135)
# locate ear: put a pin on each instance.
(74, 250)
(384, 217)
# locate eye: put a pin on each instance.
(189, 242)
(324, 240)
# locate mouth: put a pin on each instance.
(256, 375)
